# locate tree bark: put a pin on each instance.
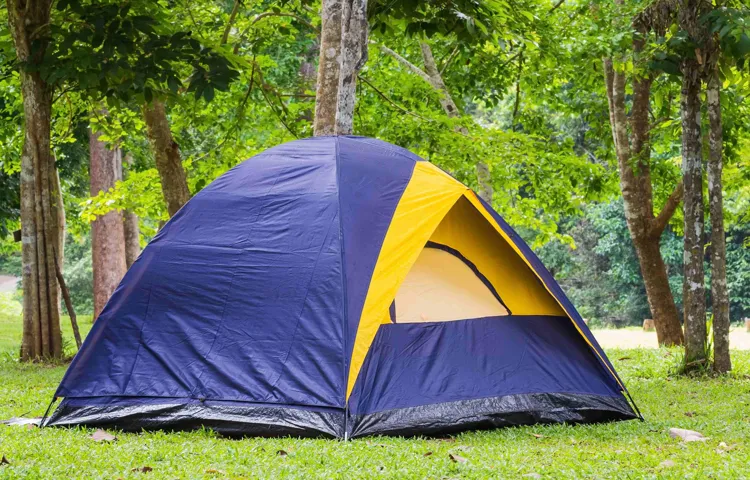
(107, 232)
(719, 291)
(694, 294)
(131, 227)
(40, 195)
(633, 158)
(167, 156)
(326, 96)
(354, 34)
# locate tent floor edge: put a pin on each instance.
(235, 420)
(495, 412)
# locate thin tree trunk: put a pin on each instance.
(167, 156)
(326, 97)
(436, 80)
(68, 304)
(132, 237)
(107, 232)
(40, 221)
(354, 34)
(131, 227)
(719, 291)
(635, 182)
(431, 74)
(692, 174)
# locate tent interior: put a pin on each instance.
(467, 270)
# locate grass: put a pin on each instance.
(717, 407)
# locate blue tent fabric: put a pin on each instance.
(240, 315)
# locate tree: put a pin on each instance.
(326, 97)
(354, 38)
(167, 156)
(107, 231)
(41, 232)
(719, 291)
(727, 46)
(633, 151)
(343, 52)
(131, 226)
(694, 296)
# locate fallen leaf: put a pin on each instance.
(687, 435)
(23, 421)
(622, 359)
(447, 439)
(666, 463)
(215, 471)
(145, 469)
(456, 458)
(536, 435)
(532, 475)
(102, 436)
(281, 453)
(427, 454)
(690, 414)
(4, 461)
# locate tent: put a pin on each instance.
(338, 286)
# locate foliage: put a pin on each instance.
(78, 274)
(128, 49)
(602, 275)
(611, 450)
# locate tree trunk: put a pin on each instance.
(40, 195)
(326, 96)
(107, 232)
(132, 237)
(167, 156)
(719, 292)
(692, 176)
(659, 295)
(131, 228)
(633, 158)
(354, 34)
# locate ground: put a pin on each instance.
(717, 407)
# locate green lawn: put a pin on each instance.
(719, 408)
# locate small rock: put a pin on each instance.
(666, 464)
(687, 435)
(102, 436)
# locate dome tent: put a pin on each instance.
(338, 286)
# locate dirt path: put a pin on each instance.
(7, 283)
(739, 338)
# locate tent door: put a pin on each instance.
(443, 286)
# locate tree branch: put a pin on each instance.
(449, 60)
(556, 6)
(406, 63)
(659, 223)
(263, 15)
(232, 17)
(394, 104)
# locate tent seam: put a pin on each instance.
(343, 278)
